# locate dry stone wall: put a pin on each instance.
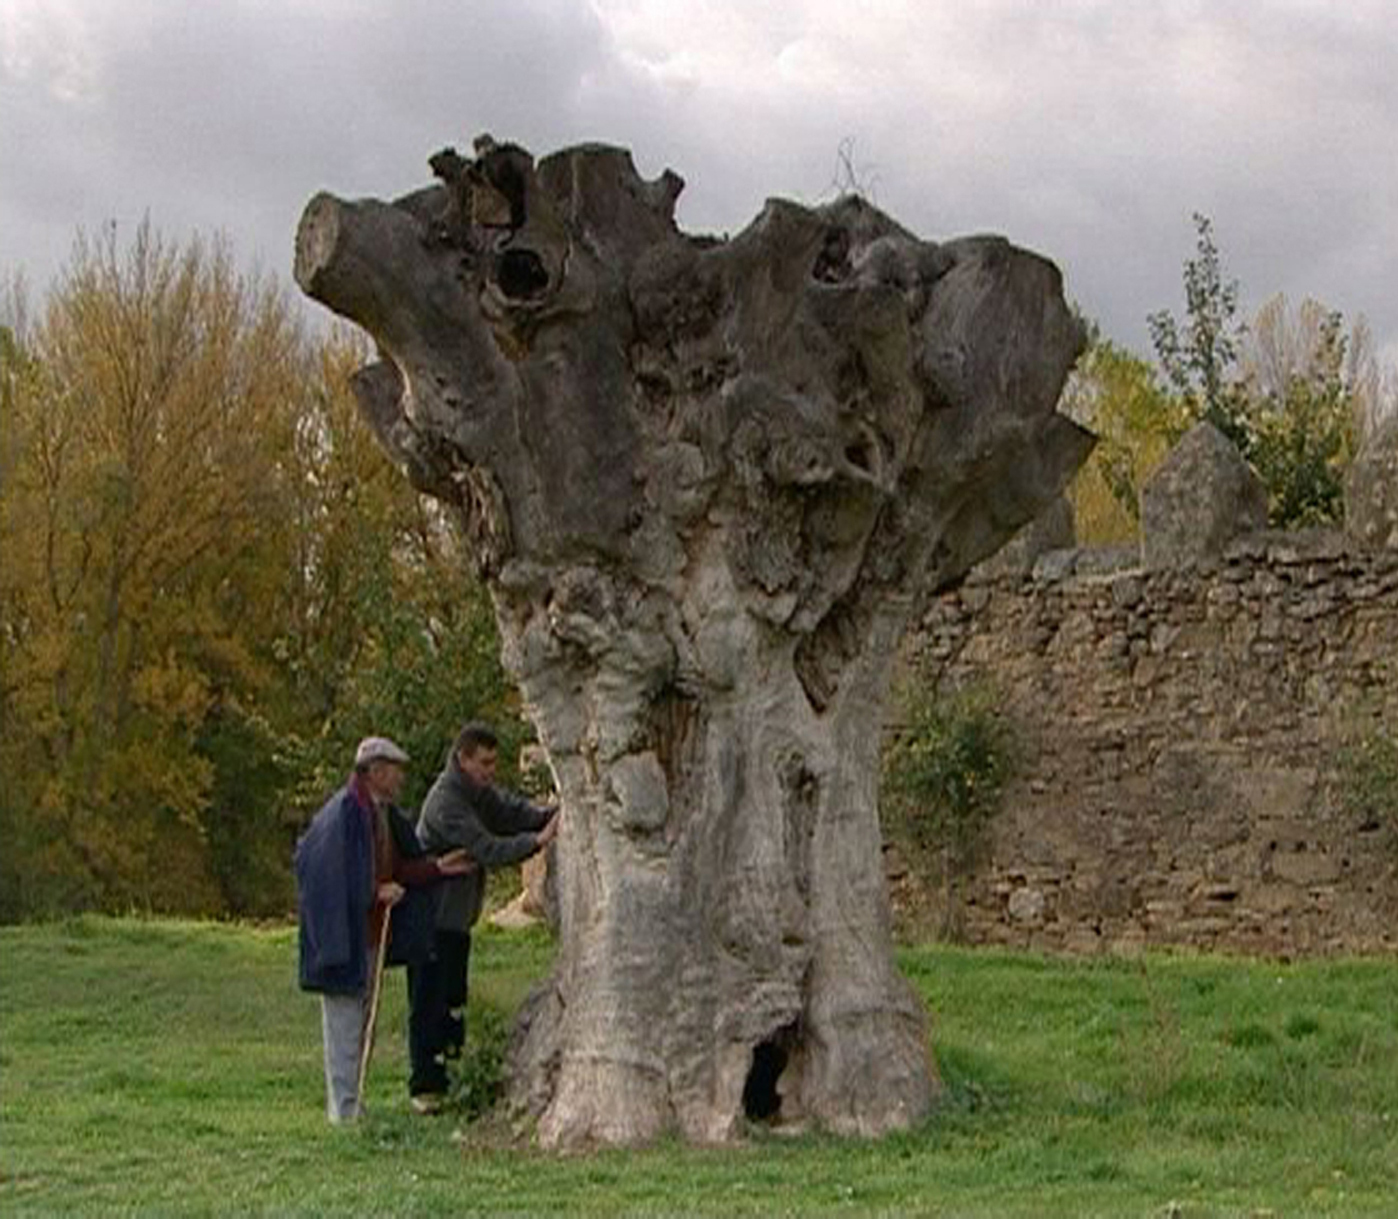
(1180, 735)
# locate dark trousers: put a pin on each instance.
(437, 1010)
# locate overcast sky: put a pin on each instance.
(1089, 130)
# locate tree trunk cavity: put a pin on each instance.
(708, 483)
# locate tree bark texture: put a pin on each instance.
(708, 483)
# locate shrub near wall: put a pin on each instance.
(944, 771)
(1182, 737)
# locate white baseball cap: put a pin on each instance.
(379, 749)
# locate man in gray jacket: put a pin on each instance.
(464, 809)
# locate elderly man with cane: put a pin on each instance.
(353, 865)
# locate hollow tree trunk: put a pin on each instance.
(725, 935)
(708, 483)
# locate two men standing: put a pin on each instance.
(355, 863)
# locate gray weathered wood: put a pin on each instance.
(708, 482)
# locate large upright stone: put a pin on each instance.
(1371, 488)
(1199, 498)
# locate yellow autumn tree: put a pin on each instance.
(144, 421)
(1118, 396)
(213, 583)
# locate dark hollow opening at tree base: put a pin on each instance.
(761, 1100)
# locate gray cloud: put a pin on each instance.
(1087, 129)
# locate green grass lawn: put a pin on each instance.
(169, 1066)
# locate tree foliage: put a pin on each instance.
(1119, 397)
(213, 584)
(387, 632)
(1309, 385)
(1199, 353)
(1289, 394)
(944, 772)
(1368, 781)
(144, 434)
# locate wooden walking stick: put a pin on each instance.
(371, 1014)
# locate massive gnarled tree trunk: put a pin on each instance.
(708, 482)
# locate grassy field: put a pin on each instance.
(174, 1067)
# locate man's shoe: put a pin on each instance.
(426, 1103)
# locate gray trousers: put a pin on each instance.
(342, 1029)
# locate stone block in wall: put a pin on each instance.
(1056, 564)
(1026, 906)
(1283, 548)
(1371, 489)
(1200, 497)
(1107, 560)
(1305, 867)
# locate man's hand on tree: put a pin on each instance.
(455, 863)
(549, 832)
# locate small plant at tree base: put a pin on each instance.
(478, 1080)
(944, 773)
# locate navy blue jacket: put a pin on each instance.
(334, 892)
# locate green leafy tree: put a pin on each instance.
(1198, 354)
(1308, 385)
(387, 631)
(1290, 394)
